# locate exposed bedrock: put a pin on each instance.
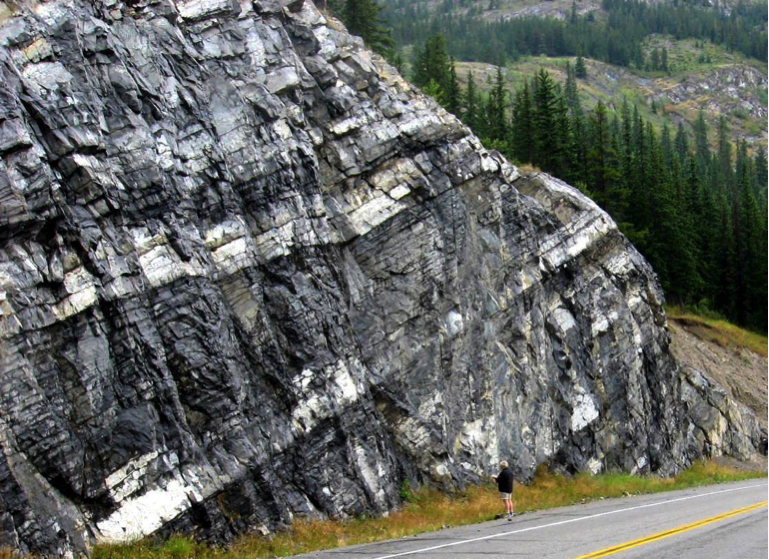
(247, 273)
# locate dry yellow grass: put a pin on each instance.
(429, 510)
(719, 331)
(526, 168)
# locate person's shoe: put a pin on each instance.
(510, 516)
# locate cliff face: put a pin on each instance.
(247, 273)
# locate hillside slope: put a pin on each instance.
(740, 371)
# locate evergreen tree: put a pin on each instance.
(743, 171)
(701, 142)
(639, 207)
(725, 177)
(432, 63)
(638, 57)
(570, 89)
(654, 62)
(472, 102)
(664, 60)
(546, 151)
(578, 148)
(626, 157)
(620, 184)
(335, 6)
(566, 156)
(683, 255)
(706, 222)
(434, 90)
(453, 90)
(397, 61)
(523, 125)
(746, 262)
(363, 18)
(419, 74)
(580, 69)
(763, 288)
(760, 166)
(725, 263)
(627, 129)
(750, 239)
(661, 218)
(682, 142)
(667, 146)
(638, 143)
(599, 155)
(496, 109)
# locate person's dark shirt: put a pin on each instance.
(505, 480)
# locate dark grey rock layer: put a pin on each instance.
(247, 274)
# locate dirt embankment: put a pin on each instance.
(741, 372)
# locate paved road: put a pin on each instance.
(720, 521)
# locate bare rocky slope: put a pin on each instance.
(247, 273)
(740, 372)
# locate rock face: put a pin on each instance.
(739, 88)
(247, 273)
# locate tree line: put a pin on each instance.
(698, 215)
(617, 39)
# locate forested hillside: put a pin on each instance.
(615, 34)
(690, 196)
(728, 87)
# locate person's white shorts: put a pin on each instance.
(506, 495)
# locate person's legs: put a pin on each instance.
(505, 500)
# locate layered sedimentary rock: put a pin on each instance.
(247, 273)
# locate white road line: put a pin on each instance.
(566, 521)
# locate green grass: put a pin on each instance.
(715, 329)
(753, 128)
(428, 510)
(684, 54)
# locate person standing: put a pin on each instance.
(504, 482)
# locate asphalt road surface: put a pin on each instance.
(719, 521)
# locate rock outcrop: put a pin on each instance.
(739, 90)
(247, 273)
